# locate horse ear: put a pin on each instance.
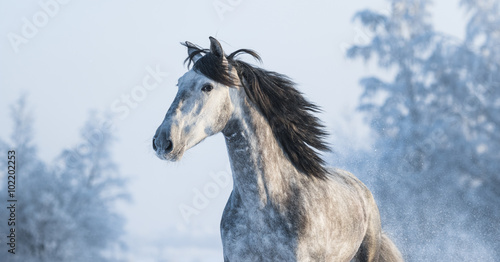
(192, 48)
(216, 49)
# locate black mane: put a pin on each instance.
(299, 133)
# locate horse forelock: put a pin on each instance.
(300, 134)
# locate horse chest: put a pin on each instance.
(256, 235)
(265, 234)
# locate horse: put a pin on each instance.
(286, 205)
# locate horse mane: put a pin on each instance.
(290, 115)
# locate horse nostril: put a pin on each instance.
(154, 144)
(170, 145)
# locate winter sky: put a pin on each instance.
(84, 55)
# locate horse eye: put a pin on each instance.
(207, 88)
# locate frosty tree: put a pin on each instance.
(437, 123)
(66, 210)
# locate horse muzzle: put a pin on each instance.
(164, 147)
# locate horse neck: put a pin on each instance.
(262, 174)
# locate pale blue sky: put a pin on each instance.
(90, 54)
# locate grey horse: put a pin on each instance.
(285, 204)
